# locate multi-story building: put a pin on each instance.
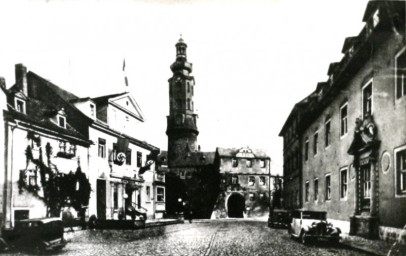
(46, 165)
(354, 129)
(292, 156)
(245, 183)
(87, 139)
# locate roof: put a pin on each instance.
(332, 67)
(194, 159)
(105, 99)
(348, 42)
(232, 152)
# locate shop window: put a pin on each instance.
(343, 183)
(316, 189)
(400, 161)
(307, 185)
(249, 163)
(343, 120)
(160, 194)
(139, 159)
(234, 162)
(400, 73)
(327, 127)
(102, 148)
(262, 181)
(367, 99)
(251, 180)
(328, 187)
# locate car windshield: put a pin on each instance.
(314, 215)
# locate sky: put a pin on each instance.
(252, 59)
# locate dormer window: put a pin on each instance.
(20, 105)
(62, 121)
(92, 110)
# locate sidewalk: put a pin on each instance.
(374, 247)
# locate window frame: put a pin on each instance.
(306, 149)
(251, 181)
(101, 142)
(158, 194)
(342, 133)
(307, 191)
(19, 100)
(327, 133)
(59, 118)
(147, 194)
(343, 186)
(402, 86)
(248, 163)
(368, 83)
(262, 163)
(139, 159)
(92, 110)
(264, 181)
(316, 189)
(234, 162)
(315, 143)
(327, 187)
(398, 192)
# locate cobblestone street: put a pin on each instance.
(209, 238)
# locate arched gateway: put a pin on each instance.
(235, 206)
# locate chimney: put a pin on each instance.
(21, 78)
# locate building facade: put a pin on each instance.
(246, 184)
(354, 129)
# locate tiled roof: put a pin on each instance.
(232, 152)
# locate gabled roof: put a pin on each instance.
(232, 152)
(104, 99)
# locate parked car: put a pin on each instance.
(313, 226)
(278, 218)
(34, 234)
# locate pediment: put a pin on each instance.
(128, 104)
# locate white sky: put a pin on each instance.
(253, 60)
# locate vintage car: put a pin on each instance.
(278, 218)
(34, 234)
(311, 226)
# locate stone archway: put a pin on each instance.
(235, 206)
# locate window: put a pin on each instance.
(375, 18)
(367, 99)
(366, 180)
(249, 163)
(67, 148)
(306, 149)
(343, 183)
(235, 162)
(102, 148)
(262, 181)
(92, 110)
(328, 187)
(128, 157)
(251, 180)
(188, 104)
(262, 163)
(234, 180)
(20, 105)
(343, 120)
(327, 133)
(401, 171)
(316, 189)
(252, 196)
(307, 191)
(400, 74)
(115, 196)
(188, 87)
(160, 194)
(148, 193)
(315, 141)
(182, 174)
(114, 151)
(139, 159)
(62, 121)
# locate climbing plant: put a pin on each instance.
(58, 189)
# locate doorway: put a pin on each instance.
(236, 206)
(101, 199)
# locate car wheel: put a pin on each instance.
(303, 238)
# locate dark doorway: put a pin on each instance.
(101, 199)
(236, 206)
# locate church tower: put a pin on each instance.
(181, 123)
